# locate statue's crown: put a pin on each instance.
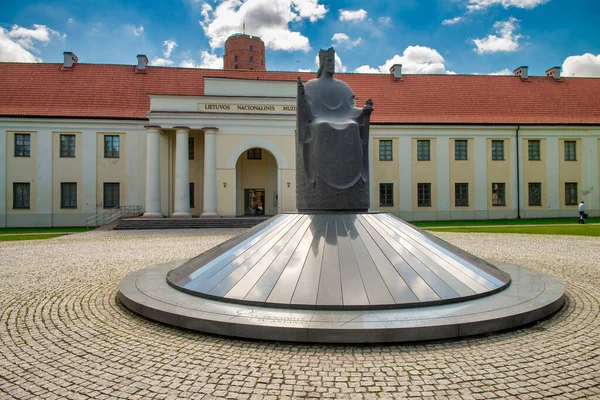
(325, 53)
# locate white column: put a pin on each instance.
(552, 174)
(182, 174)
(153, 173)
(480, 176)
(43, 201)
(443, 174)
(210, 172)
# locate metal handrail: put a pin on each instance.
(112, 214)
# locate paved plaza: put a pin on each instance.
(64, 335)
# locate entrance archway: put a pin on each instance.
(256, 183)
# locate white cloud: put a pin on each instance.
(476, 5)
(343, 39)
(585, 65)
(168, 45)
(70, 20)
(365, 69)
(304, 70)
(339, 66)
(452, 21)
(161, 62)
(384, 20)
(268, 19)
(414, 60)
(504, 71)
(207, 61)
(138, 31)
(348, 15)
(18, 43)
(507, 41)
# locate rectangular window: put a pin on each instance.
(571, 193)
(255, 154)
(570, 150)
(22, 145)
(498, 194)
(192, 195)
(385, 150)
(190, 148)
(111, 146)
(111, 195)
(386, 194)
(67, 145)
(497, 149)
(460, 149)
(424, 194)
(535, 194)
(423, 150)
(20, 195)
(68, 195)
(461, 194)
(534, 150)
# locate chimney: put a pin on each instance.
(553, 72)
(70, 59)
(396, 69)
(522, 72)
(142, 63)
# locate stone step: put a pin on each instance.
(188, 223)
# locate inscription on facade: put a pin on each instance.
(248, 108)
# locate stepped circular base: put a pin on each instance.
(530, 296)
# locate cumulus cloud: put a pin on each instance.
(414, 60)
(476, 5)
(341, 39)
(168, 45)
(161, 62)
(269, 19)
(506, 40)
(19, 43)
(349, 15)
(584, 65)
(452, 21)
(504, 71)
(207, 61)
(339, 66)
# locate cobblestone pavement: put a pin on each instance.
(63, 333)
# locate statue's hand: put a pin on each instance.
(300, 86)
(368, 108)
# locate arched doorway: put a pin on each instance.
(256, 183)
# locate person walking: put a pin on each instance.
(581, 212)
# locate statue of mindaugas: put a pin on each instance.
(332, 143)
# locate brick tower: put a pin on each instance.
(244, 52)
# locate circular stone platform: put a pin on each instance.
(340, 278)
(337, 261)
(530, 297)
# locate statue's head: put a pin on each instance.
(326, 62)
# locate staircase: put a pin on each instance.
(188, 223)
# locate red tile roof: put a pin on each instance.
(118, 92)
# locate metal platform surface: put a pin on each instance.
(530, 297)
(338, 261)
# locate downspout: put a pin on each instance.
(518, 178)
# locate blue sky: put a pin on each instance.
(426, 36)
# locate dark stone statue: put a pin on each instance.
(332, 144)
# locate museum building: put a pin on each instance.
(78, 138)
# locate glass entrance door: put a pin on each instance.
(254, 201)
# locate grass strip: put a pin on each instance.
(41, 230)
(14, 238)
(576, 230)
(499, 222)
